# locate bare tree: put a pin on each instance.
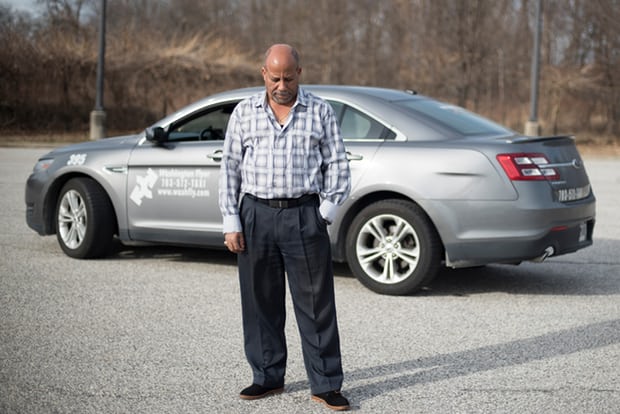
(164, 53)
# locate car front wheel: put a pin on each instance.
(85, 221)
(393, 248)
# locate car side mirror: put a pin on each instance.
(156, 134)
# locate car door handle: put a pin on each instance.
(354, 157)
(216, 155)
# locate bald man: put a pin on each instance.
(284, 173)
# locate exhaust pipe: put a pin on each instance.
(548, 252)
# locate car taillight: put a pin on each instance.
(527, 167)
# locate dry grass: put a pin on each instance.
(599, 150)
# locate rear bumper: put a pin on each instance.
(558, 241)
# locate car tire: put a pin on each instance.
(393, 248)
(85, 220)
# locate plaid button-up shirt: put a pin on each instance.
(306, 155)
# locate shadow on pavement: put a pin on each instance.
(563, 275)
(448, 366)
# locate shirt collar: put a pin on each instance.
(260, 100)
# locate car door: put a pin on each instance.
(172, 192)
(363, 135)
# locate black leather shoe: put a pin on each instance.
(255, 391)
(332, 399)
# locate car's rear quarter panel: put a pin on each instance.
(471, 201)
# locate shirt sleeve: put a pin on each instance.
(230, 175)
(335, 167)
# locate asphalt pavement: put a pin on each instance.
(158, 329)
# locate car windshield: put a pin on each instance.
(454, 117)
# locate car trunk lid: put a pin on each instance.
(554, 159)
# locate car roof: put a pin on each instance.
(348, 91)
(361, 94)
(383, 104)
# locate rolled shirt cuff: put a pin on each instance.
(328, 210)
(232, 224)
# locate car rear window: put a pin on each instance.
(454, 117)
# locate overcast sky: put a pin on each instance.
(37, 10)
(25, 5)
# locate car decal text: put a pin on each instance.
(171, 182)
(77, 159)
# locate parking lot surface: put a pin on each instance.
(158, 329)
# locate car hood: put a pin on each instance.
(101, 144)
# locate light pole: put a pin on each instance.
(98, 115)
(532, 127)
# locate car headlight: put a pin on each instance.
(43, 164)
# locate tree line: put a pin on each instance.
(163, 54)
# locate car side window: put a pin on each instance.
(205, 126)
(357, 125)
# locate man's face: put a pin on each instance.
(281, 82)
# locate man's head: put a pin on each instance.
(281, 73)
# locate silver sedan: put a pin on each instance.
(432, 185)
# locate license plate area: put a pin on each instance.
(564, 195)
